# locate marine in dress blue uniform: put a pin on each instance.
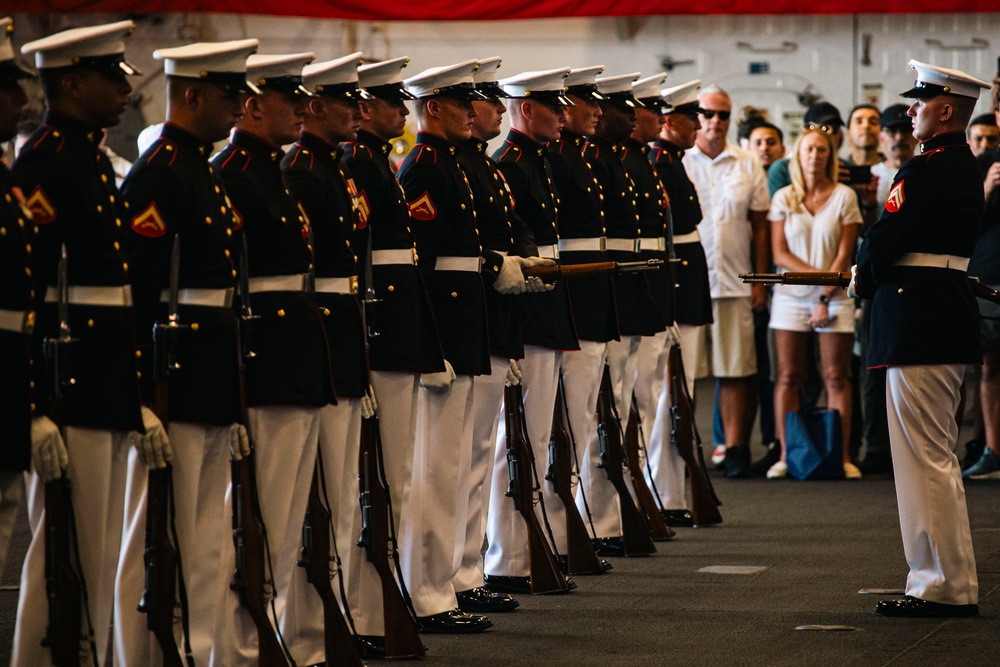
(288, 378)
(925, 330)
(327, 194)
(503, 231)
(692, 299)
(69, 187)
(444, 228)
(18, 370)
(173, 191)
(536, 106)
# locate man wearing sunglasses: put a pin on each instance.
(732, 191)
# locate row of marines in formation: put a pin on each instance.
(295, 296)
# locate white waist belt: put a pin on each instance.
(293, 283)
(469, 264)
(400, 256)
(197, 296)
(17, 321)
(693, 237)
(623, 245)
(550, 251)
(934, 260)
(337, 285)
(658, 243)
(574, 245)
(92, 295)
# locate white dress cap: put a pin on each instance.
(582, 82)
(335, 78)
(222, 63)
(453, 81)
(384, 80)
(933, 81)
(281, 72)
(544, 84)
(682, 99)
(10, 69)
(647, 90)
(618, 89)
(98, 47)
(485, 77)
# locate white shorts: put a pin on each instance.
(791, 313)
(733, 352)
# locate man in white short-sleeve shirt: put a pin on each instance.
(732, 189)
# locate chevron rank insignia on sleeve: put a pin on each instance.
(42, 210)
(149, 223)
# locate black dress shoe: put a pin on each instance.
(371, 647)
(911, 607)
(454, 622)
(764, 463)
(678, 518)
(609, 547)
(481, 599)
(502, 584)
(876, 464)
(737, 462)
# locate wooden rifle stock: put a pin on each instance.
(636, 539)
(316, 549)
(62, 580)
(546, 575)
(401, 633)
(554, 272)
(580, 555)
(250, 581)
(658, 529)
(704, 503)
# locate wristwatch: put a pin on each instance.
(824, 299)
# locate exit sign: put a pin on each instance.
(760, 68)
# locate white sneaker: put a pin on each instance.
(851, 471)
(778, 471)
(719, 455)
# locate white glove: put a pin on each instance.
(534, 284)
(513, 374)
(511, 279)
(851, 293)
(239, 442)
(48, 451)
(673, 335)
(154, 446)
(438, 382)
(368, 404)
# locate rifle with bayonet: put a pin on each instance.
(316, 549)
(378, 534)
(684, 436)
(546, 575)
(65, 587)
(636, 539)
(251, 581)
(553, 272)
(164, 573)
(659, 530)
(843, 279)
(580, 555)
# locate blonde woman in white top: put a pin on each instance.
(814, 227)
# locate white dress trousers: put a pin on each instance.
(666, 467)
(339, 445)
(11, 497)
(434, 523)
(201, 477)
(507, 555)
(582, 372)
(486, 404)
(933, 517)
(98, 465)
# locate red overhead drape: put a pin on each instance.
(490, 10)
